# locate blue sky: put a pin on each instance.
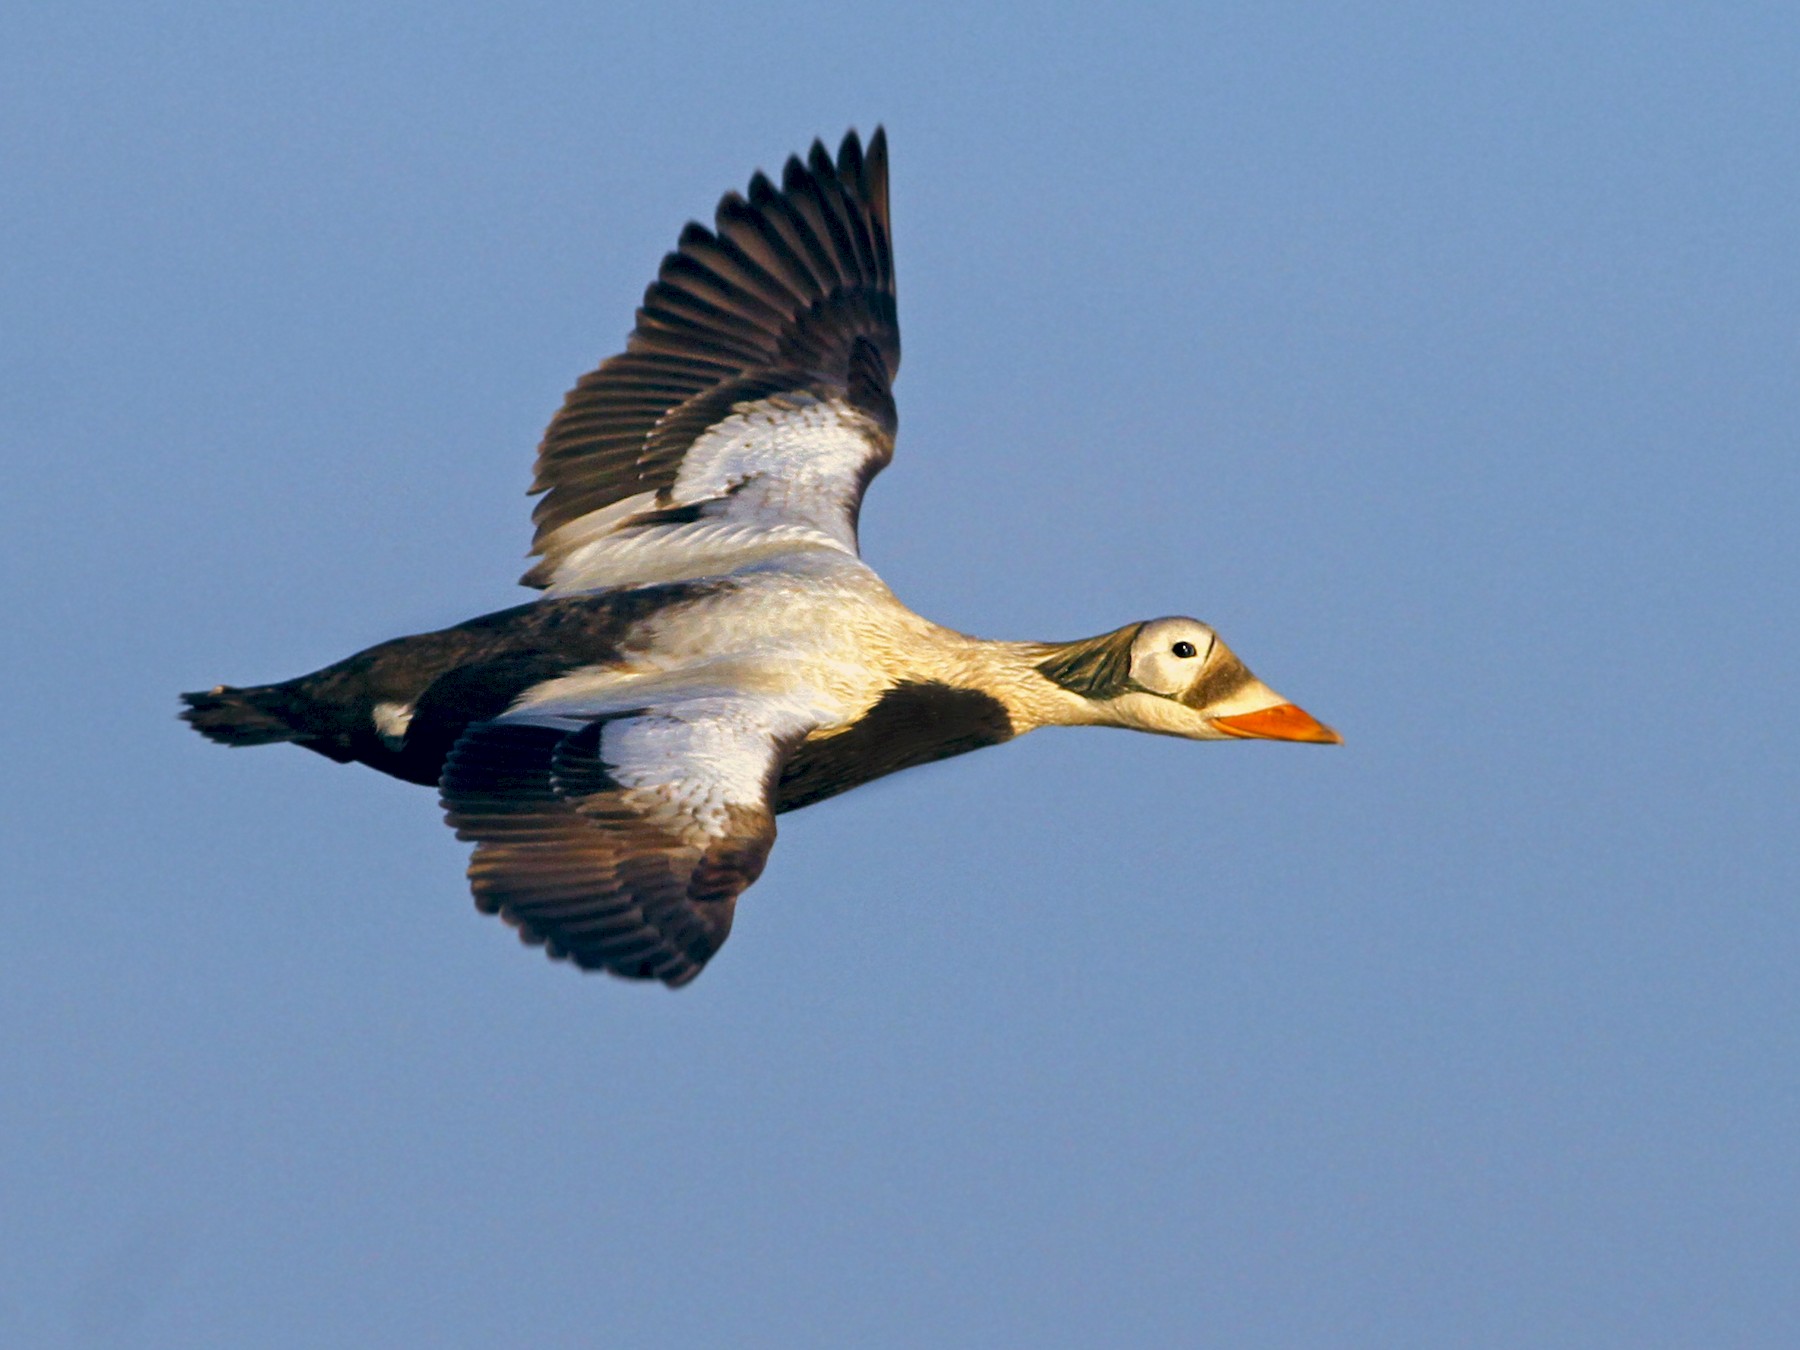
(1444, 357)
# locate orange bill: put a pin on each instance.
(1283, 722)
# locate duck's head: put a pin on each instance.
(1175, 677)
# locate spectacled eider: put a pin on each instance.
(710, 650)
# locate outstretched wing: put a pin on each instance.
(754, 397)
(622, 843)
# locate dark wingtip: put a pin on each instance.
(795, 178)
(875, 159)
(850, 158)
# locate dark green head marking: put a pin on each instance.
(1097, 668)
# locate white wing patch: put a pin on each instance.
(391, 721)
(688, 763)
(778, 475)
(793, 460)
(695, 746)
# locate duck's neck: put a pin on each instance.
(1030, 679)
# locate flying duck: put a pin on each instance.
(709, 650)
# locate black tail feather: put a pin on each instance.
(260, 716)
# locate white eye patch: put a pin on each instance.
(1169, 654)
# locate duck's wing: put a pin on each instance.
(622, 842)
(754, 397)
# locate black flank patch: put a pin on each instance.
(911, 724)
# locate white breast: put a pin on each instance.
(818, 621)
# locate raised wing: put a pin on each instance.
(622, 843)
(753, 402)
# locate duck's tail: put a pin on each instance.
(262, 715)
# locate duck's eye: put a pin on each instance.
(1185, 650)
